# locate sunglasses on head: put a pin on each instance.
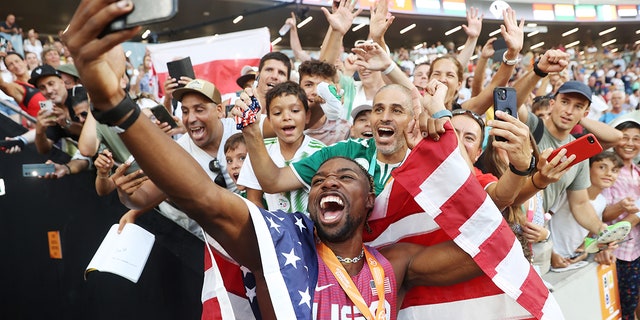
(470, 113)
(214, 166)
(540, 98)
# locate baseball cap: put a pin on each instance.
(69, 69)
(202, 87)
(360, 108)
(44, 70)
(577, 87)
(247, 73)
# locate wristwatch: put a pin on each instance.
(509, 62)
(532, 166)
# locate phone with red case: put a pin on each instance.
(584, 148)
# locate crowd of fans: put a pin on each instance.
(341, 105)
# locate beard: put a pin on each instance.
(343, 232)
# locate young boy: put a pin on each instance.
(235, 152)
(567, 243)
(287, 110)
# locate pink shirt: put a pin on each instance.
(332, 303)
(627, 185)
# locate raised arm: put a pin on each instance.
(88, 143)
(481, 66)
(272, 179)
(513, 34)
(607, 135)
(472, 29)
(101, 62)
(375, 58)
(294, 39)
(379, 22)
(339, 21)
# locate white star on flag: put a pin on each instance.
(300, 224)
(273, 225)
(251, 293)
(291, 258)
(305, 298)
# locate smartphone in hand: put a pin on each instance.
(162, 115)
(505, 100)
(144, 12)
(37, 169)
(584, 148)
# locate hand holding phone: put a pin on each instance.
(583, 148)
(162, 115)
(505, 100)
(144, 12)
(38, 169)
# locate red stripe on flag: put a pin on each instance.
(535, 294)
(222, 73)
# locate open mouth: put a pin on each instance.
(331, 208)
(288, 129)
(385, 132)
(367, 134)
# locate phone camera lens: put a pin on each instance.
(590, 139)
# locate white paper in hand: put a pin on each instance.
(124, 254)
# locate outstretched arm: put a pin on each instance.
(607, 135)
(294, 39)
(101, 62)
(472, 29)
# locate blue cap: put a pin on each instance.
(577, 87)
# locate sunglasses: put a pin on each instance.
(214, 166)
(470, 113)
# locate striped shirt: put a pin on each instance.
(290, 201)
(627, 185)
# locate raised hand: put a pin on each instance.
(487, 50)
(553, 61)
(474, 23)
(380, 20)
(516, 135)
(341, 19)
(512, 32)
(372, 56)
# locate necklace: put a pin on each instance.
(351, 260)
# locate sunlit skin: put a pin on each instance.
(201, 118)
(389, 119)
(629, 145)
(421, 76)
(446, 72)
(53, 88)
(361, 127)
(469, 133)
(567, 110)
(288, 119)
(272, 72)
(338, 220)
(16, 65)
(603, 173)
(235, 159)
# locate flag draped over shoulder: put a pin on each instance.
(218, 59)
(440, 200)
(437, 200)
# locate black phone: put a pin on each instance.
(504, 99)
(499, 48)
(162, 115)
(144, 12)
(179, 68)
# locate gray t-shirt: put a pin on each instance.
(577, 178)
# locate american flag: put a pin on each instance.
(436, 201)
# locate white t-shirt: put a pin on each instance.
(203, 158)
(290, 201)
(566, 232)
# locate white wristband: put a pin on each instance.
(389, 69)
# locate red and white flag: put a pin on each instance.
(441, 200)
(218, 59)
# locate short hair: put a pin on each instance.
(46, 49)
(407, 92)
(628, 125)
(614, 157)
(276, 56)
(233, 142)
(362, 169)
(540, 102)
(319, 68)
(285, 89)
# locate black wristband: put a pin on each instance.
(532, 166)
(112, 116)
(537, 70)
(122, 127)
